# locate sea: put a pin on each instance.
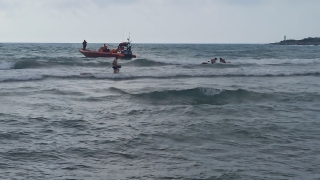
(164, 116)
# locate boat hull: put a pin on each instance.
(90, 53)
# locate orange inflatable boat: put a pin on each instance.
(123, 51)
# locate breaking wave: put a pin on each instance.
(101, 76)
(145, 63)
(202, 95)
(23, 64)
(32, 63)
(6, 65)
(21, 78)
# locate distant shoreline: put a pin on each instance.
(307, 41)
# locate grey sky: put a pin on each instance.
(158, 21)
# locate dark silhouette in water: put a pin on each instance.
(116, 67)
(213, 60)
(222, 60)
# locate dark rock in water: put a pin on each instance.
(306, 41)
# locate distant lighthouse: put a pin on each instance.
(285, 38)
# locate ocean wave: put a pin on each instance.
(168, 76)
(49, 62)
(145, 63)
(31, 58)
(79, 63)
(23, 64)
(116, 90)
(201, 95)
(216, 65)
(120, 77)
(260, 62)
(61, 92)
(6, 65)
(32, 63)
(22, 78)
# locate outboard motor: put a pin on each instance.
(127, 53)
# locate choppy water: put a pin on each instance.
(165, 116)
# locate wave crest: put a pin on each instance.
(26, 64)
(201, 95)
(145, 63)
(6, 65)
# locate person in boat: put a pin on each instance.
(84, 44)
(116, 67)
(222, 60)
(213, 60)
(104, 48)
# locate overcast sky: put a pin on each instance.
(158, 21)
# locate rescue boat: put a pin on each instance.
(123, 51)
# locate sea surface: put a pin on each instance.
(164, 116)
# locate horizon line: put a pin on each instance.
(116, 43)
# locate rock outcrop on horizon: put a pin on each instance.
(306, 41)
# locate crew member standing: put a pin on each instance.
(84, 44)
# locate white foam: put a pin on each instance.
(6, 65)
(21, 78)
(277, 61)
(210, 91)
